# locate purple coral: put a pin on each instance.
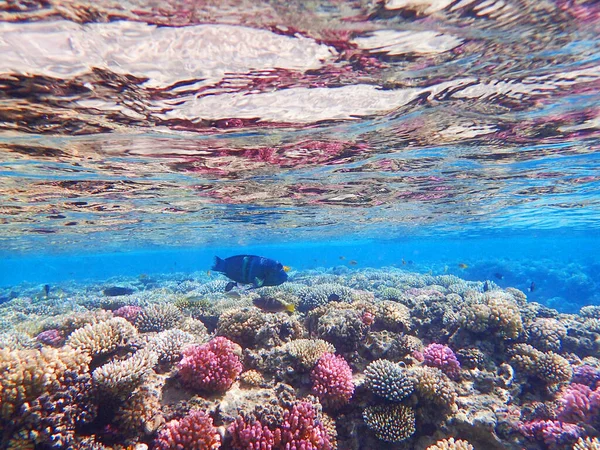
(251, 435)
(442, 357)
(299, 430)
(211, 367)
(586, 374)
(128, 312)
(554, 433)
(194, 432)
(575, 404)
(332, 380)
(52, 337)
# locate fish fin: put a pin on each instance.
(290, 308)
(219, 265)
(258, 282)
(230, 286)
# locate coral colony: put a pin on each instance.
(370, 359)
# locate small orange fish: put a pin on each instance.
(352, 262)
(463, 266)
(286, 269)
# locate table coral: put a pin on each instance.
(332, 380)
(211, 367)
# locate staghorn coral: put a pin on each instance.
(587, 444)
(168, 345)
(332, 380)
(391, 423)
(250, 327)
(451, 444)
(158, 318)
(211, 367)
(120, 378)
(193, 432)
(308, 351)
(442, 357)
(102, 337)
(388, 380)
(547, 334)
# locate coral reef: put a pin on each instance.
(398, 359)
(194, 432)
(332, 380)
(211, 367)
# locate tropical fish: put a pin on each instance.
(251, 269)
(209, 273)
(463, 265)
(499, 275)
(116, 291)
(47, 290)
(352, 262)
(487, 286)
(286, 269)
(342, 258)
(532, 286)
(403, 262)
(271, 304)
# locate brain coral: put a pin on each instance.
(102, 337)
(391, 423)
(211, 367)
(451, 444)
(158, 318)
(194, 432)
(388, 380)
(332, 380)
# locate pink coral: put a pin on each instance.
(194, 432)
(246, 435)
(211, 367)
(442, 357)
(299, 430)
(332, 380)
(52, 337)
(128, 312)
(575, 404)
(554, 433)
(586, 374)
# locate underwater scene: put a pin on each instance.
(300, 225)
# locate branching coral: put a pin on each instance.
(158, 318)
(168, 345)
(495, 314)
(391, 423)
(308, 351)
(555, 434)
(442, 357)
(587, 444)
(388, 380)
(332, 380)
(141, 414)
(432, 385)
(102, 337)
(193, 432)
(211, 367)
(547, 334)
(451, 444)
(120, 378)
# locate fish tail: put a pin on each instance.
(290, 308)
(219, 265)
